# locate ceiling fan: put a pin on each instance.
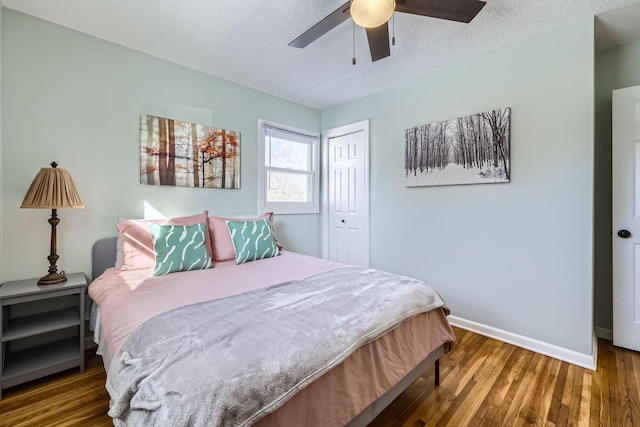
(374, 14)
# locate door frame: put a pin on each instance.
(326, 135)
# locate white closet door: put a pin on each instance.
(347, 222)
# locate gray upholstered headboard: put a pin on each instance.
(103, 255)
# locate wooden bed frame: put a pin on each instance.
(104, 256)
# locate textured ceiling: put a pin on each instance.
(246, 41)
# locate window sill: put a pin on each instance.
(283, 209)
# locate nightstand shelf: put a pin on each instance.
(42, 329)
(39, 361)
(41, 323)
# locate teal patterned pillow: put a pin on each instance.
(179, 248)
(252, 240)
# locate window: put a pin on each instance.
(288, 170)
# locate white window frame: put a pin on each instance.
(310, 207)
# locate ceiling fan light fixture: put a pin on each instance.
(372, 13)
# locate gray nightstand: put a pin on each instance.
(42, 329)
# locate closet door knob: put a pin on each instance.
(625, 234)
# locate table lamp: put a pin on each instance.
(52, 188)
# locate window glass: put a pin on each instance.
(288, 154)
(288, 171)
(287, 187)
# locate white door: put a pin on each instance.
(626, 218)
(347, 195)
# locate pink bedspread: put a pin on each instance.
(127, 298)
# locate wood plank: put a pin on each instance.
(556, 399)
(585, 401)
(629, 391)
(604, 361)
(484, 383)
(616, 393)
(596, 392)
(633, 384)
(576, 393)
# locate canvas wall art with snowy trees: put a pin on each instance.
(185, 154)
(468, 150)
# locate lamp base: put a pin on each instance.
(52, 279)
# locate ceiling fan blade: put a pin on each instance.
(334, 19)
(379, 42)
(452, 10)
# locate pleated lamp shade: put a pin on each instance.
(52, 188)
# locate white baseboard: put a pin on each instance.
(605, 334)
(580, 359)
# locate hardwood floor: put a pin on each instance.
(65, 399)
(483, 383)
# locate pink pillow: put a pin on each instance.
(137, 246)
(221, 238)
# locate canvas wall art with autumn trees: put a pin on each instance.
(473, 149)
(185, 154)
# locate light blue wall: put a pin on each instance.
(76, 99)
(615, 69)
(514, 256)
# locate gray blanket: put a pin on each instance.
(231, 361)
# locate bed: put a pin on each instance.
(135, 313)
